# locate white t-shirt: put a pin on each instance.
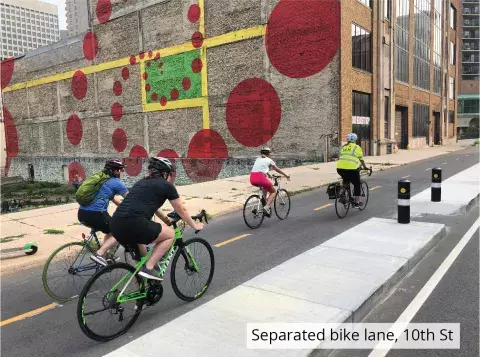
(263, 164)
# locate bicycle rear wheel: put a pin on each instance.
(253, 212)
(282, 204)
(67, 270)
(192, 269)
(98, 308)
(364, 195)
(342, 202)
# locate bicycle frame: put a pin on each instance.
(83, 252)
(262, 192)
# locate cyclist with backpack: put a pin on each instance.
(94, 196)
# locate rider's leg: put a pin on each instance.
(271, 197)
(356, 185)
(108, 243)
(162, 244)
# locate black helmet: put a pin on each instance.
(160, 164)
(265, 151)
(114, 164)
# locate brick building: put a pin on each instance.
(209, 82)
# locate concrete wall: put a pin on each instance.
(87, 98)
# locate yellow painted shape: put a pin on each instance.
(142, 88)
(324, 206)
(206, 116)
(235, 36)
(232, 240)
(29, 314)
(201, 5)
(176, 104)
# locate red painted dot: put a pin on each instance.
(116, 111)
(125, 73)
(150, 54)
(206, 153)
(11, 134)
(186, 83)
(141, 55)
(253, 112)
(197, 39)
(104, 10)
(117, 88)
(148, 63)
(154, 97)
(160, 65)
(172, 155)
(74, 129)
(174, 94)
(79, 85)
(163, 101)
(119, 140)
(303, 36)
(197, 65)
(148, 87)
(75, 169)
(145, 75)
(193, 13)
(133, 60)
(157, 56)
(134, 161)
(90, 46)
(6, 69)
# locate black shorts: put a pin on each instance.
(134, 230)
(99, 221)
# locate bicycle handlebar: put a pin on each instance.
(201, 216)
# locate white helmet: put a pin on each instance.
(352, 138)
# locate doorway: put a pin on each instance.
(401, 126)
(437, 135)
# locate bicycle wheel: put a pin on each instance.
(97, 303)
(342, 202)
(253, 208)
(282, 204)
(198, 271)
(71, 262)
(364, 195)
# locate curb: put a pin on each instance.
(384, 291)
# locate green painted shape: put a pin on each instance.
(175, 68)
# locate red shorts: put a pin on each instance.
(260, 180)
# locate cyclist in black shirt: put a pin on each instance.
(132, 221)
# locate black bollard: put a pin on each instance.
(403, 201)
(436, 184)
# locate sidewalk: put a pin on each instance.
(216, 197)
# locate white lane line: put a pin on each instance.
(428, 169)
(402, 322)
(457, 158)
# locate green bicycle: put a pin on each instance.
(116, 294)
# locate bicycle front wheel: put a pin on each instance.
(100, 316)
(253, 212)
(66, 271)
(282, 204)
(192, 269)
(342, 202)
(364, 195)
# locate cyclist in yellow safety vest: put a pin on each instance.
(351, 155)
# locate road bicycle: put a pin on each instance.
(341, 191)
(253, 213)
(69, 266)
(116, 294)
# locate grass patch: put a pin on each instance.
(53, 231)
(315, 168)
(476, 142)
(10, 238)
(234, 189)
(208, 198)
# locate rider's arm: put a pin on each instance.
(363, 164)
(183, 213)
(276, 168)
(163, 217)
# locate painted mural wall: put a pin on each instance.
(204, 82)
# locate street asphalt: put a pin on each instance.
(56, 332)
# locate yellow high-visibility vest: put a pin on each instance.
(350, 156)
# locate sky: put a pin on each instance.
(61, 12)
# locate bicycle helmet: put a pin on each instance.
(160, 164)
(114, 164)
(265, 151)
(352, 138)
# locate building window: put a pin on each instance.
(401, 45)
(361, 48)
(453, 17)
(437, 48)
(367, 3)
(388, 9)
(451, 117)
(451, 88)
(471, 106)
(420, 120)
(453, 52)
(421, 52)
(361, 109)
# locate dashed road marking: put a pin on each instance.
(428, 169)
(404, 177)
(324, 206)
(232, 240)
(374, 188)
(29, 314)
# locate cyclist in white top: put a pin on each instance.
(259, 173)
